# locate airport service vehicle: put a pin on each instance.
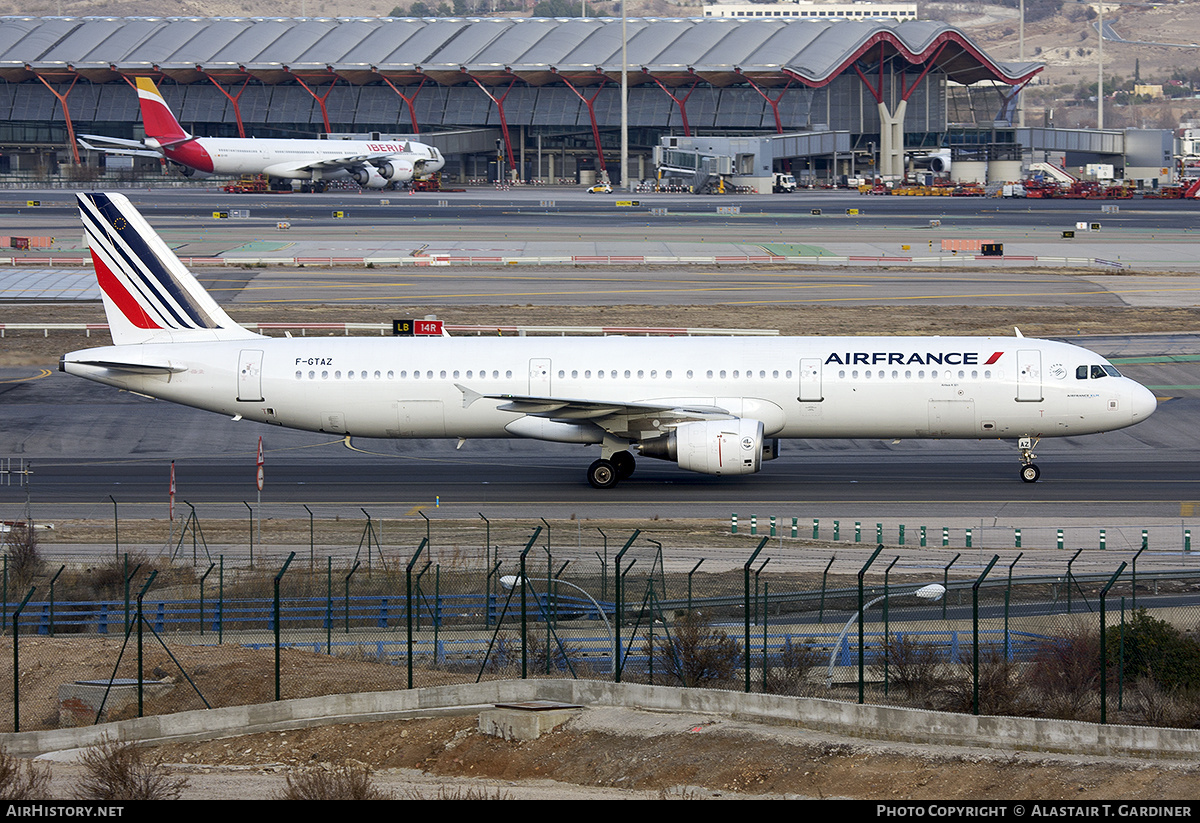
(600, 188)
(370, 164)
(783, 183)
(718, 406)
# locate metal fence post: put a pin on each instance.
(975, 633)
(16, 623)
(746, 609)
(278, 577)
(862, 669)
(141, 675)
(618, 605)
(1104, 646)
(408, 606)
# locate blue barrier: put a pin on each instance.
(377, 611)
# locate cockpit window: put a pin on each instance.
(1095, 372)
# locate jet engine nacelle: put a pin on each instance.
(369, 178)
(938, 161)
(188, 171)
(397, 170)
(715, 446)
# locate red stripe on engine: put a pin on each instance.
(124, 301)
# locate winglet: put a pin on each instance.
(1018, 331)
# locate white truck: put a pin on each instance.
(783, 182)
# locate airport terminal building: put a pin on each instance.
(512, 98)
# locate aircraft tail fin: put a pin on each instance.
(157, 117)
(149, 295)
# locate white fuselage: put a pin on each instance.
(302, 159)
(883, 387)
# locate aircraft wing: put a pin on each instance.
(350, 161)
(629, 420)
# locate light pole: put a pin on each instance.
(624, 103)
(934, 591)
(1100, 69)
(511, 581)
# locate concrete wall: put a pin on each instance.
(872, 722)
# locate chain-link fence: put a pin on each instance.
(119, 633)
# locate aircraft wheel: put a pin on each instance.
(602, 474)
(624, 464)
(1030, 473)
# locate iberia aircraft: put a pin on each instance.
(717, 406)
(371, 164)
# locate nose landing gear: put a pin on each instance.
(1029, 470)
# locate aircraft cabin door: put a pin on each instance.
(1029, 376)
(250, 375)
(539, 376)
(810, 380)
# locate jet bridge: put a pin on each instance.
(751, 161)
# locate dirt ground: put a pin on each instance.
(602, 753)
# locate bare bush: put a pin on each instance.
(116, 770)
(24, 557)
(563, 656)
(352, 781)
(22, 779)
(693, 653)
(789, 671)
(1066, 674)
(1000, 691)
(1160, 706)
(458, 793)
(914, 666)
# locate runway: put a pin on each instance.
(87, 442)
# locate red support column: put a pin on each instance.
(774, 104)
(687, 130)
(589, 101)
(905, 93)
(503, 120)
(62, 99)
(876, 92)
(412, 113)
(319, 98)
(237, 110)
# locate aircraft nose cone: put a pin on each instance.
(1143, 403)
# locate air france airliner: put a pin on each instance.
(718, 406)
(371, 164)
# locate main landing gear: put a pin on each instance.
(1029, 470)
(608, 471)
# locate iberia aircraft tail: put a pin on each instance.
(149, 295)
(157, 118)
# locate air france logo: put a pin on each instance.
(896, 358)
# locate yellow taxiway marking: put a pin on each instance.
(41, 373)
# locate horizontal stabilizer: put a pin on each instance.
(131, 368)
